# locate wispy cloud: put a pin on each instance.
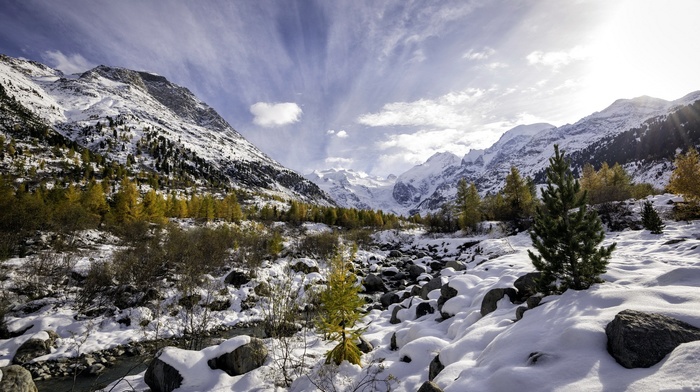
(275, 114)
(70, 64)
(559, 59)
(448, 111)
(483, 54)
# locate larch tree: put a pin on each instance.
(566, 234)
(467, 205)
(685, 179)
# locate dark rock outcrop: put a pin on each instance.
(161, 377)
(527, 284)
(245, 358)
(435, 368)
(424, 308)
(34, 347)
(429, 386)
(640, 340)
(488, 304)
(374, 284)
(237, 278)
(433, 284)
(15, 378)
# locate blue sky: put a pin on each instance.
(376, 86)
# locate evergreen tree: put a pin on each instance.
(650, 219)
(685, 177)
(567, 240)
(518, 199)
(467, 205)
(340, 310)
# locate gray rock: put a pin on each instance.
(534, 301)
(527, 284)
(15, 378)
(301, 266)
(433, 284)
(429, 386)
(641, 340)
(161, 377)
(415, 290)
(395, 253)
(520, 311)
(488, 304)
(236, 278)
(389, 298)
(394, 315)
(424, 308)
(34, 348)
(364, 346)
(435, 368)
(457, 265)
(414, 271)
(374, 284)
(241, 360)
(96, 369)
(393, 346)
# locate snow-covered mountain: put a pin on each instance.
(643, 134)
(356, 189)
(143, 120)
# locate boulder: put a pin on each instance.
(237, 278)
(433, 284)
(374, 284)
(534, 300)
(414, 271)
(304, 266)
(394, 315)
(364, 346)
(446, 293)
(488, 304)
(161, 377)
(15, 378)
(429, 386)
(424, 308)
(395, 253)
(389, 298)
(241, 360)
(527, 284)
(456, 265)
(520, 311)
(435, 368)
(40, 344)
(641, 340)
(393, 346)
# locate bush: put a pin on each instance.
(321, 245)
(650, 219)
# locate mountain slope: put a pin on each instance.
(148, 123)
(642, 134)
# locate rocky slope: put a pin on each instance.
(143, 120)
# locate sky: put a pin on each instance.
(376, 86)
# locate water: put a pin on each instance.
(129, 365)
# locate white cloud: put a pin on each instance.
(558, 59)
(342, 134)
(74, 63)
(275, 114)
(479, 55)
(452, 110)
(339, 161)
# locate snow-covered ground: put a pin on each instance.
(558, 346)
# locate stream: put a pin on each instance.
(126, 365)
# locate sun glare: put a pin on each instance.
(646, 48)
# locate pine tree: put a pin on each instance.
(340, 310)
(567, 240)
(467, 205)
(684, 179)
(650, 219)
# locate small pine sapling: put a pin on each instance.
(340, 310)
(650, 219)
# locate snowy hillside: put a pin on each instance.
(142, 119)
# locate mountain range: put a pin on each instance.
(142, 120)
(642, 134)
